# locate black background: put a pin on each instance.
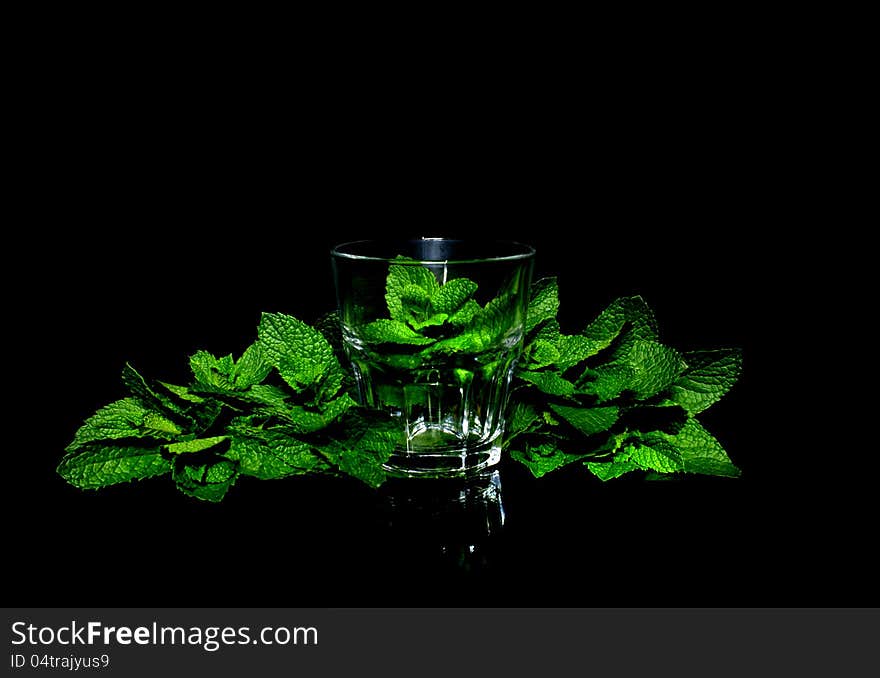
(176, 209)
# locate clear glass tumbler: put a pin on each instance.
(433, 329)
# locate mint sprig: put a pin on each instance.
(612, 398)
(278, 410)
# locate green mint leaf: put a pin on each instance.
(212, 373)
(149, 396)
(191, 416)
(182, 392)
(367, 442)
(640, 317)
(101, 464)
(392, 332)
(401, 277)
(540, 353)
(551, 383)
(466, 342)
(588, 420)
(465, 315)
(543, 302)
(308, 420)
(270, 454)
(251, 368)
(199, 412)
(655, 366)
(548, 331)
(489, 327)
(197, 445)
(625, 311)
(334, 409)
(363, 465)
(126, 418)
(606, 381)
(160, 427)
(299, 352)
(608, 470)
(709, 375)
(523, 418)
(574, 349)
(643, 368)
(331, 383)
(208, 481)
(428, 321)
(543, 458)
(657, 456)
(452, 296)
(272, 397)
(700, 452)
(414, 295)
(417, 310)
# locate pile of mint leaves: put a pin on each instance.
(611, 398)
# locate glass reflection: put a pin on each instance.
(458, 520)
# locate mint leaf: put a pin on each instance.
(251, 368)
(101, 464)
(336, 408)
(208, 481)
(465, 314)
(303, 420)
(452, 296)
(414, 295)
(631, 311)
(367, 442)
(196, 445)
(271, 397)
(574, 349)
(709, 375)
(182, 392)
(608, 470)
(540, 353)
(190, 416)
(523, 417)
(299, 352)
(126, 418)
(700, 452)
(199, 412)
(392, 332)
(489, 326)
(308, 420)
(657, 455)
(158, 426)
(543, 458)
(148, 395)
(606, 381)
(543, 302)
(655, 366)
(271, 454)
(402, 278)
(588, 420)
(212, 373)
(643, 368)
(551, 383)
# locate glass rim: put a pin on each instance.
(526, 251)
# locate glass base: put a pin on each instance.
(442, 462)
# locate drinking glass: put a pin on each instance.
(433, 329)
